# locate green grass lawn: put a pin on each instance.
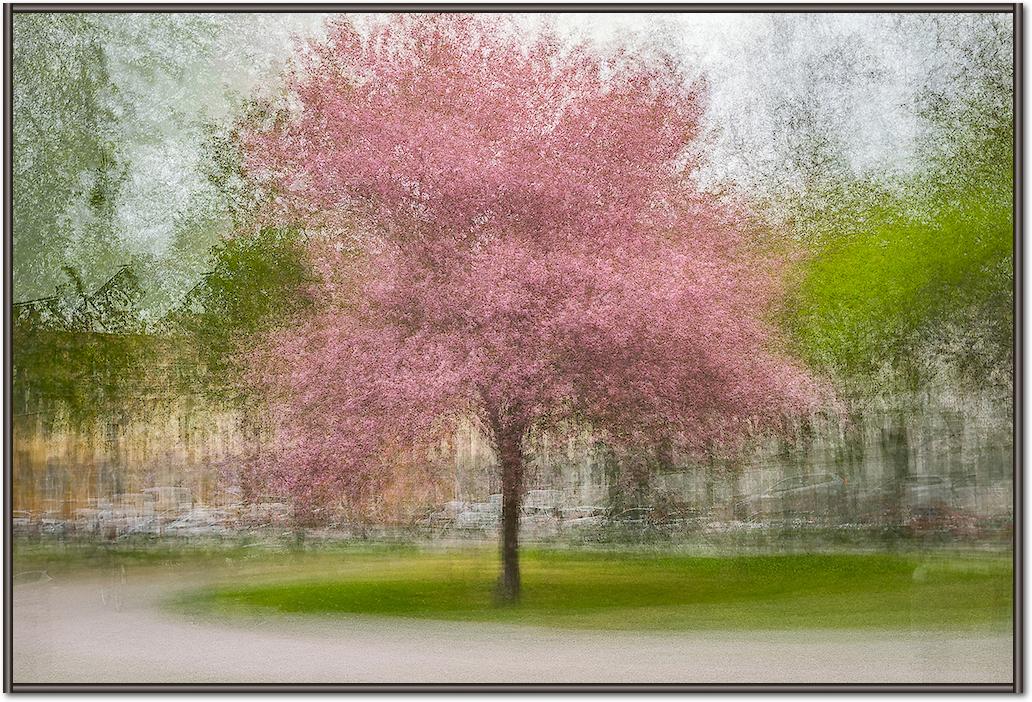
(636, 591)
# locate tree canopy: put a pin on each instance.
(508, 234)
(914, 278)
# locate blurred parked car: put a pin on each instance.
(966, 492)
(583, 517)
(538, 524)
(265, 512)
(542, 501)
(819, 494)
(53, 525)
(927, 491)
(168, 500)
(87, 519)
(681, 520)
(144, 526)
(897, 499)
(26, 523)
(983, 496)
(437, 520)
(639, 517)
(201, 522)
(940, 521)
(479, 515)
(998, 528)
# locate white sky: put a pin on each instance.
(856, 76)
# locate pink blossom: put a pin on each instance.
(515, 240)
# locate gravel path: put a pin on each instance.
(107, 631)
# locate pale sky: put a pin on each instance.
(775, 82)
(857, 74)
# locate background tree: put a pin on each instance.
(506, 233)
(256, 282)
(117, 119)
(67, 174)
(83, 354)
(914, 278)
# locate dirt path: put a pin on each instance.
(105, 631)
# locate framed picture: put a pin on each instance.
(491, 347)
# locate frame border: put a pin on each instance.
(1014, 9)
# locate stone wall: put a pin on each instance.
(194, 446)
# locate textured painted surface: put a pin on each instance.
(332, 273)
(57, 625)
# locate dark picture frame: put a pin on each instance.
(1015, 10)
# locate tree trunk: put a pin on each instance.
(511, 456)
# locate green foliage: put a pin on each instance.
(98, 135)
(643, 591)
(82, 355)
(66, 175)
(896, 285)
(256, 283)
(79, 355)
(917, 280)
